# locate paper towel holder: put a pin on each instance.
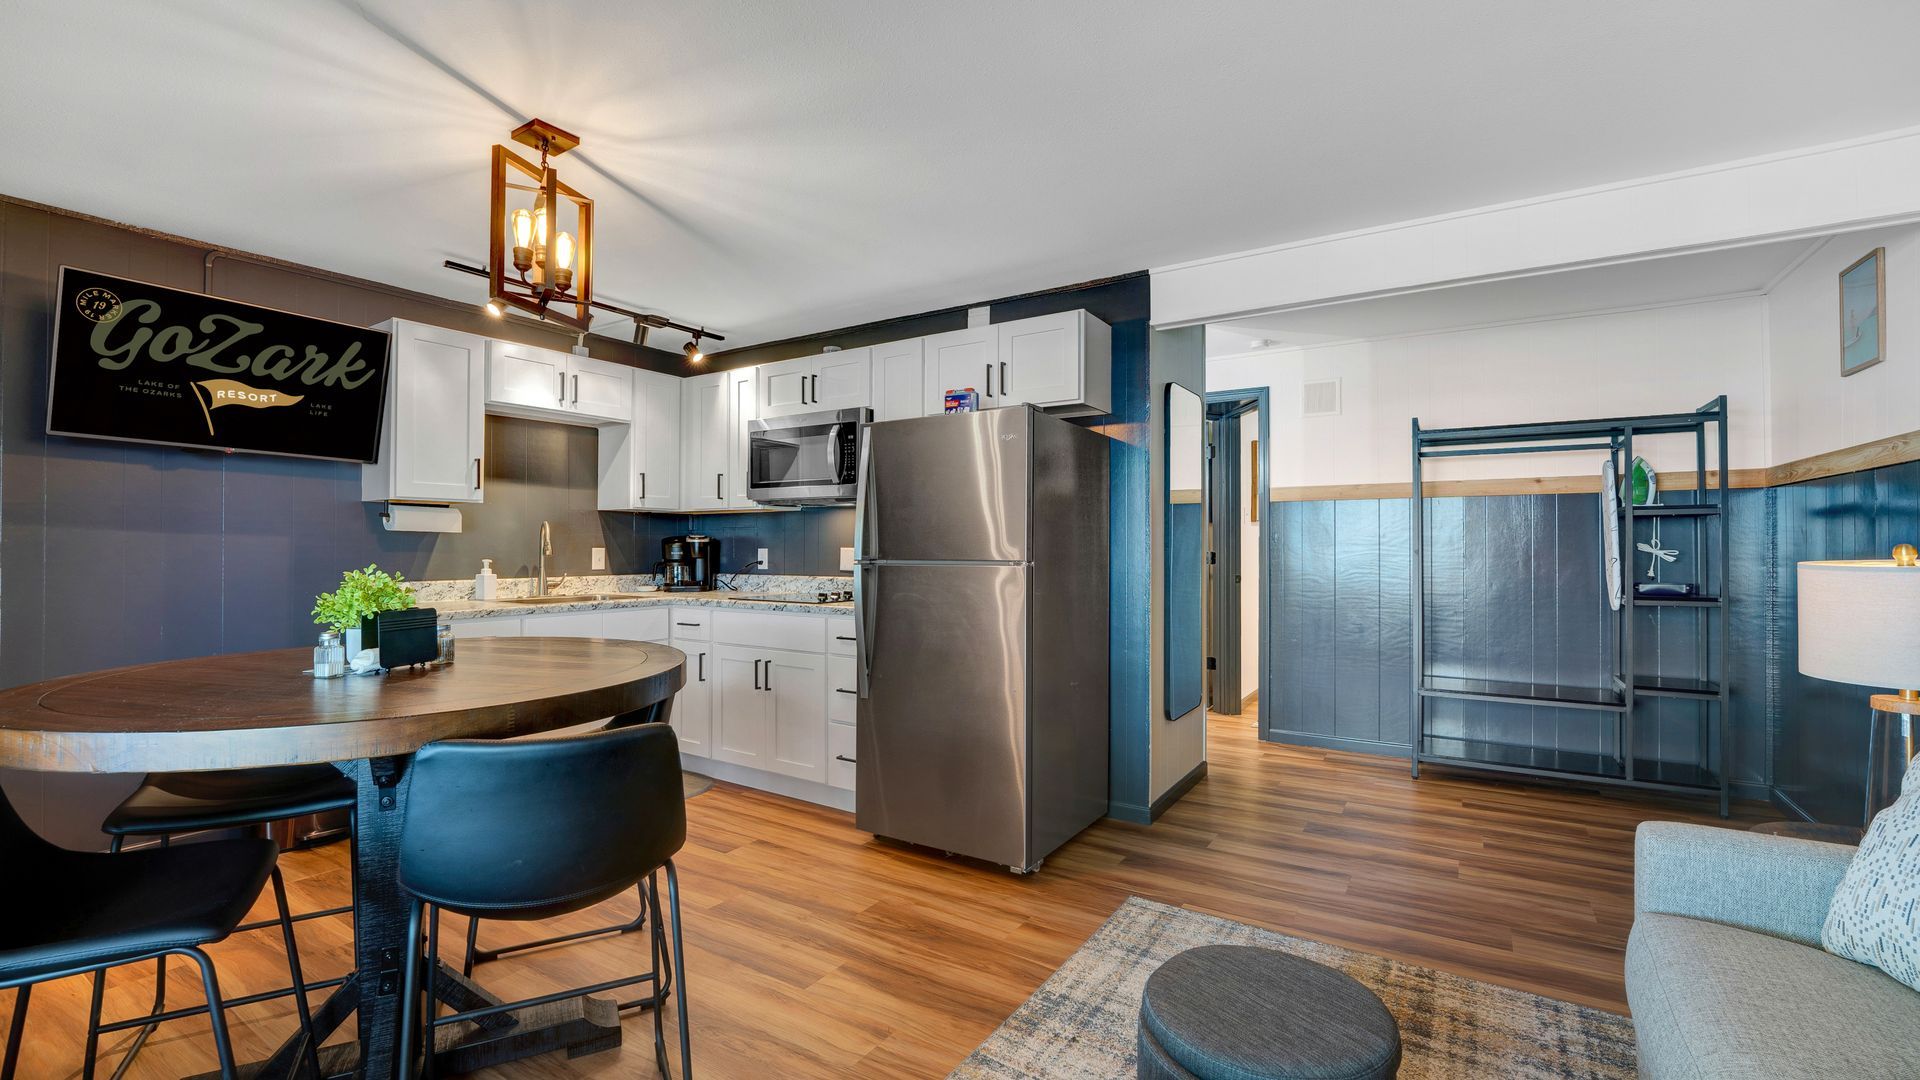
(421, 517)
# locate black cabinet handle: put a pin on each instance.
(815, 382)
(841, 637)
(769, 686)
(703, 667)
(1003, 378)
(843, 690)
(687, 624)
(756, 673)
(845, 758)
(476, 474)
(989, 380)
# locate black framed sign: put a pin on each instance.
(145, 363)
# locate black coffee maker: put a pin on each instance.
(689, 563)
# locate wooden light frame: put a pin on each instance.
(507, 285)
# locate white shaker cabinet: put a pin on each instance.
(640, 463)
(959, 359)
(825, 382)
(546, 384)
(897, 383)
(706, 441)
(433, 439)
(743, 389)
(1062, 362)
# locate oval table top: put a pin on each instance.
(244, 710)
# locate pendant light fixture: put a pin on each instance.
(540, 255)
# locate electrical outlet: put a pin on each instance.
(599, 558)
(846, 558)
(765, 562)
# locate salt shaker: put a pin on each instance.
(330, 656)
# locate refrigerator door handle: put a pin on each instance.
(863, 627)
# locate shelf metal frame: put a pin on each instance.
(1615, 436)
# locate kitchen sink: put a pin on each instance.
(580, 598)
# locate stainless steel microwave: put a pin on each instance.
(806, 460)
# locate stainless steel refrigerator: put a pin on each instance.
(980, 594)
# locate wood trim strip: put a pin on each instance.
(1894, 450)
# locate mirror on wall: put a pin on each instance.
(1185, 550)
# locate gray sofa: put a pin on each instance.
(1725, 975)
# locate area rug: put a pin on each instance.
(692, 784)
(1082, 1021)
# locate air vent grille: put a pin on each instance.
(1320, 397)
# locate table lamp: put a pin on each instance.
(1860, 623)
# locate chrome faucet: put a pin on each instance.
(546, 549)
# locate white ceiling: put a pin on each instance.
(1671, 280)
(774, 169)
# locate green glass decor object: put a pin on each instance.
(1646, 485)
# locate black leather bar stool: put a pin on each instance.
(167, 804)
(531, 829)
(657, 713)
(74, 912)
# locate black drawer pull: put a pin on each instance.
(841, 637)
(841, 690)
(689, 624)
(843, 757)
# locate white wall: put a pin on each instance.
(1814, 409)
(1666, 359)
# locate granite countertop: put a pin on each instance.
(481, 609)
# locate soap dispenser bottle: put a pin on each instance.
(486, 581)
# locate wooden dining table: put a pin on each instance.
(247, 710)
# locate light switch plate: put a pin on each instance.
(846, 558)
(599, 558)
(765, 563)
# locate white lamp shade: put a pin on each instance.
(1860, 623)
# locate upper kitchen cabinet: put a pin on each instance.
(544, 384)
(1062, 363)
(959, 359)
(898, 382)
(433, 437)
(821, 383)
(707, 436)
(640, 462)
(744, 394)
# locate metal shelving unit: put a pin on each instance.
(1627, 762)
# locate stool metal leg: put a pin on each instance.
(677, 970)
(21, 997)
(216, 1012)
(93, 1023)
(293, 967)
(410, 987)
(159, 984)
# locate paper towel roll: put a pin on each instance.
(402, 518)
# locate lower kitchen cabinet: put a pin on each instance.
(692, 714)
(769, 710)
(768, 700)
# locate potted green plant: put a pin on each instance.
(362, 595)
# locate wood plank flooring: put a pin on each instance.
(816, 951)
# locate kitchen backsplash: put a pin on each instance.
(429, 592)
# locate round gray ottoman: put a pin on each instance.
(1234, 1012)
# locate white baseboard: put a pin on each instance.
(777, 783)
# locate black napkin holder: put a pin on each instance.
(408, 637)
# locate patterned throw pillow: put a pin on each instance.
(1875, 917)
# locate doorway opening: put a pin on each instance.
(1237, 548)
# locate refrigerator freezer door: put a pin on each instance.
(942, 733)
(945, 488)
